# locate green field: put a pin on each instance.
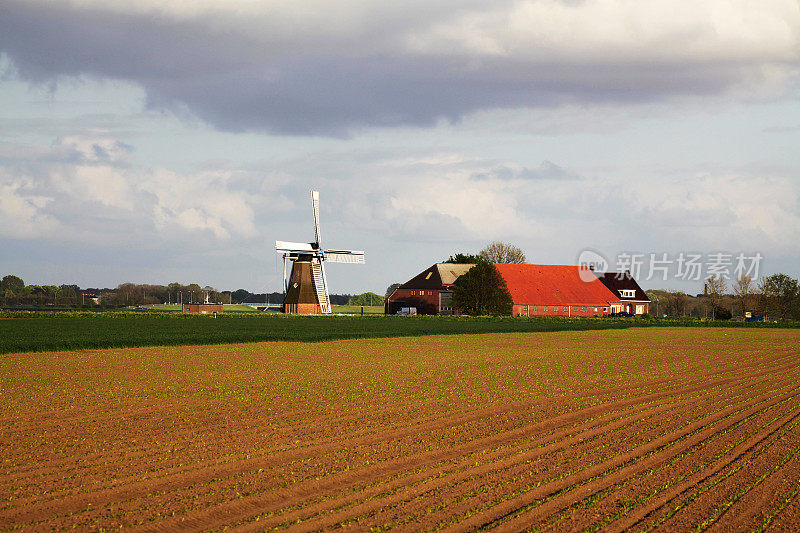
(356, 309)
(239, 308)
(45, 331)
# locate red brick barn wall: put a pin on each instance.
(202, 308)
(425, 300)
(560, 310)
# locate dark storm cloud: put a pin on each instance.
(302, 84)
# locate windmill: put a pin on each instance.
(306, 288)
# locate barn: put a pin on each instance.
(428, 293)
(556, 290)
(536, 290)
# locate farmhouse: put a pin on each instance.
(430, 292)
(202, 308)
(536, 290)
(633, 299)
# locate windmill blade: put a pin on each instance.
(285, 246)
(315, 206)
(345, 256)
(327, 307)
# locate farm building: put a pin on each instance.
(536, 290)
(556, 290)
(633, 299)
(430, 292)
(202, 308)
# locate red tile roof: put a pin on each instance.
(554, 285)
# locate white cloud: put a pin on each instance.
(622, 30)
(103, 184)
(75, 201)
(23, 214)
(202, 201)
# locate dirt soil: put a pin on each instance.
(641, 429)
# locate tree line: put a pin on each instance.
(777, 297)
(14, 292)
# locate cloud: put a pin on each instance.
(85, 190)
(203, 201)
(23, 213)
(92, 150)
(322, 68)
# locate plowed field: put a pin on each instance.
(640, 429)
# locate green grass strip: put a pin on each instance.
(40, 331)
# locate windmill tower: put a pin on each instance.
(306, 288)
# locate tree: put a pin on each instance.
(68, 294)
(500, 252)
(743, 290)
(781, 293)
(714, 289)
(391, 288)
(368, 298)
(12, 283)
(463, 258)
(482, 291)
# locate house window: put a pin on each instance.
(545, 308)
(627, 293)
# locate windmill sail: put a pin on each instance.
(345, 256)
(284, 246)
(321, 286)
(315, 207)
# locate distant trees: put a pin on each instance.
(391, 288)
(368, 298)
(743, 290)
(482, 291)
(715, 288)
(463, 258)
(500, 252)
(776, 296)
(494, 252)
(780, 296)
(676, 303)
(240, 295)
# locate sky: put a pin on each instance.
(153, 142)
